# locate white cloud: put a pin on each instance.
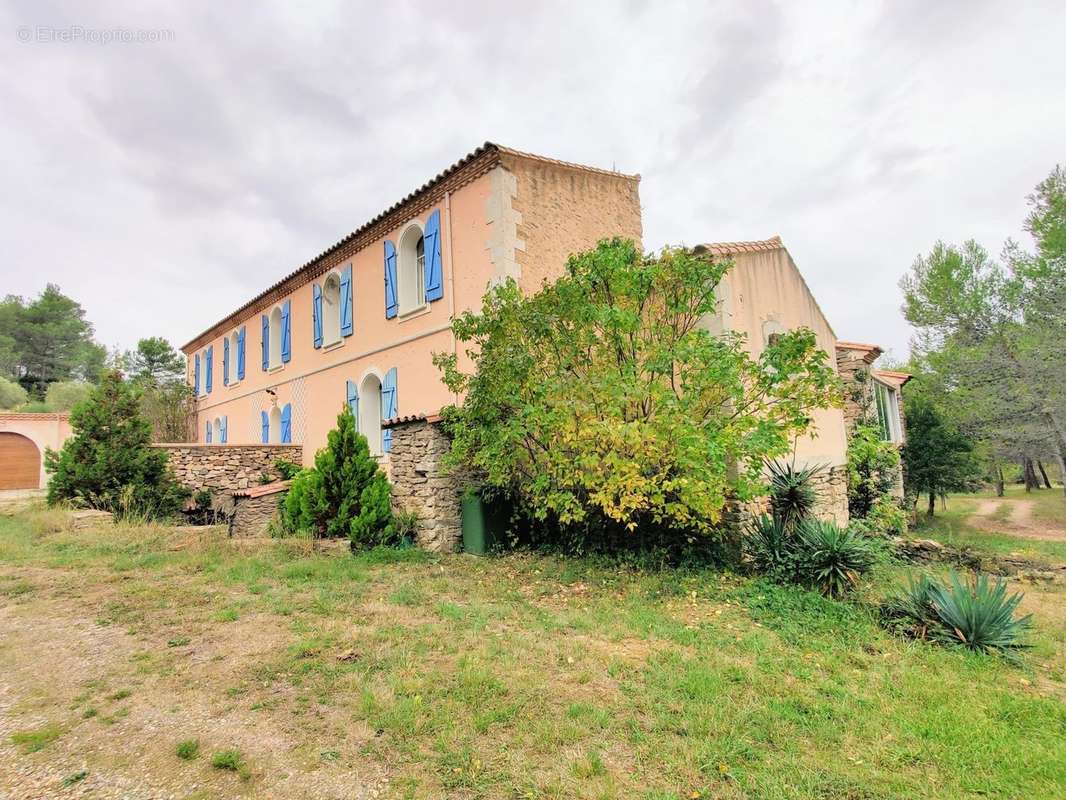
(164, 184)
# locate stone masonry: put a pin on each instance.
(224, 468)
(420, 482)
(255, 507)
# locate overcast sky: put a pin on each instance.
(164, 183)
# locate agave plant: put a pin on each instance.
(792, 492)
(976, 614)
(832, 558)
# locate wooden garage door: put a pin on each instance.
(20, 463)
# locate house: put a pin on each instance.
(360, 322)
(764, 294)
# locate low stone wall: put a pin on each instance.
(831, 484)
(421, 484)
(254, 508)
(224, 468)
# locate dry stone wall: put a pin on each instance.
(224, 468)
(421, 483)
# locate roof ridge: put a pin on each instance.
(752, 246)
(560, 163)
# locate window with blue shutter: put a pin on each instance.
(240, 354)
(196, 374)
(209, 357)
(347, 324)
(286, 331)
(316, 314)
(286, 424)
(266, 343)
(389, 408)
(207, 432)
(264, 422)
(222, 430)
(391, 306)
(225, 361)
(353, 402)
(433, 271)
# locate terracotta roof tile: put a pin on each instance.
(33, 415)
(263, 489)
(389, 423)
(841, 345)
(732, 248)
(892, 376)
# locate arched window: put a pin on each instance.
(275, 425)
(721, 319)
(216, 431)
(231, 359)
(275, 337)
(331, 310)
(771, 330)
(370, 412)
(412, 269)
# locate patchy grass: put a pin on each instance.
(518, 676)
(188, 749)
(37, 739)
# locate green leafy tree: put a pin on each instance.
(156, 360)
(11, 394)
(938, 458)
(64, 395)
(344, 494)
(168, 407)
(108, 462)
(604, 396)
(49, 340)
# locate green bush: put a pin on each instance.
(769, 546)
(344, 494)
(976, 614)
(831, 558)
(873, 467)
(108, 462)
(11, 394)
(286, 469)
(64, 395)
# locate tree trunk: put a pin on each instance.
(999, 481)
(1060, 446)
(932, 504)
(1029, 474)
(1043, 474)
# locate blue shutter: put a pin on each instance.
(225, 361)
(347, 328)
(196, 374)
(240, 354)
(388, 407)
(266, 343)
(391, 305)
(264, 421)
(353, 402)
(286, 424)
(222, 429)
(207, 432)
(431, 240)
(286, 331)
(316, 313)
(209, 357)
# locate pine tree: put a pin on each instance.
(345, 494)
(108, 462)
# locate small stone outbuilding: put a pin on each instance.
(255, 507)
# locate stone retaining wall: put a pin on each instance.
(421, 484)
(252, 515)
(224, 468)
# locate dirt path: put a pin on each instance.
(118, 701)
(1019, 522)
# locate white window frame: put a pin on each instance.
(331, 310)
(275, 361)
(231, 378)
(274, 416)
(886, 401)
(369, 388)
(411, 270)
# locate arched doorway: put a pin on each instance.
(20, 462)
(370, 412)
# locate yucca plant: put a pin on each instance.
(832, 558)
(792, 492)
(769, 544)
(976, 613)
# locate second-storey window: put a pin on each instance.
(412, 269)
(887, 402)
(331, 310)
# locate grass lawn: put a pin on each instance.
(156, 660)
